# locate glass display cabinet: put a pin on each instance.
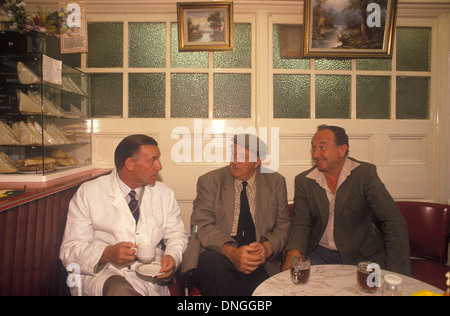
(45, 126)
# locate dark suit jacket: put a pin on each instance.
(213, 215)
(361, 200)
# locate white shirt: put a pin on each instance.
(126, 190)
(327, 240)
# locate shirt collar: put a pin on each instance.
(251, 182)
(347, 168)
(125, 189)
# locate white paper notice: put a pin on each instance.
(51, 70)
(75, 40)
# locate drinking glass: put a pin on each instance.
(300, 269)
(368, 276)
(392, 285)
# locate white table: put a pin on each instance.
(332, 280)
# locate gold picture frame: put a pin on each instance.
(349, 28)
(205, 26)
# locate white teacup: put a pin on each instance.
(146, 252)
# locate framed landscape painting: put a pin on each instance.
(349, 28)
(205, 26)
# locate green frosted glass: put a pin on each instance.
(333, 97)
(185, 59)
(291, 96)
(413, 98)
(241, 57)
(189, 96)
(105, 42)
(232, 96)
(373, 97)
(284, 61)
(147, 45)
(147, 95)
(333, 64)
(107, 95)
(413, 48)
(373, 64)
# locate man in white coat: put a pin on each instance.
(102, 232)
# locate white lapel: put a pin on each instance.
(119, 201)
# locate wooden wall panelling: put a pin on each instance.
(30, 238)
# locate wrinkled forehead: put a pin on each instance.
(323, 137)
(149, 151)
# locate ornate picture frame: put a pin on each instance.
(349, 28)
(205, 26)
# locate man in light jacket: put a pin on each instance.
(102, 231)
(241, 215)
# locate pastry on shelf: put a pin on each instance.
(36, 164)
(67, 162)
(69, 85)
(63, 159)
(7, 165)
(30, 104)
(27, 104)
(76, 112)
(59, 154)
(8, 136)
(28, 135)
(26, 75)
(31, 134)
(77, 133)
(57, 134)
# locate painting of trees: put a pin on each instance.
(343, 24)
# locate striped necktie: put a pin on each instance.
(134, 205)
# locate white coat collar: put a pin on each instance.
(120, 203)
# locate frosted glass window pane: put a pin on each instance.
(333, 97)
(291, 96)
(413, 48)
(185, 59)
(333, 64)
(413, 98)
(241, 57)
(105, 42)
(285, 45)
(147, 95)
(232, 96)
(373, 97)
(107, 95)
(373, 64)
(147, 42)
(189, 96)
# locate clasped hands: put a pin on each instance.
(248, 258)
(125, 252)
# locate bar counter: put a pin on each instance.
(41, 189)
(31, 229)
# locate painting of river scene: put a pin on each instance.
(349, 28)
(205, 27)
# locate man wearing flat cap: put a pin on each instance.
(240, 224)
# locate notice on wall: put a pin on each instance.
(51, 70)
(74, 40)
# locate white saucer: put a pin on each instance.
(150, 270)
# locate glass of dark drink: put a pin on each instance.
(368, 276)
(300, 269)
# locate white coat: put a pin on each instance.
(99, 216)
